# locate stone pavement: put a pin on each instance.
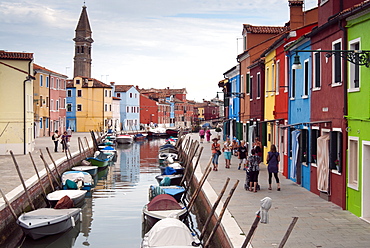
(9, 179)
(320, 224)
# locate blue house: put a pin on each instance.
(299, 112)
(71, 107)
(233, 76)
(129, 106)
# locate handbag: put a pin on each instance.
(218, 152)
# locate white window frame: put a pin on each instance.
(250, 88)
(79, 106)
(334, 84)
(267, 83)
(353, 169)
(272, 79)
(306, 84)
(351, 68)
(277, 77)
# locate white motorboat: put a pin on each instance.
(124, 139)
(91, 169)
(48, 221)
(77, 196)
(170, 232)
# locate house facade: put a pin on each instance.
(130, 106)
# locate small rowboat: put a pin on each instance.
(91, 169)
(124, 139)
(174, 179)
(77, 196)
(79, 178)
(48, 221)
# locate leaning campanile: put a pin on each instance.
(83, 42)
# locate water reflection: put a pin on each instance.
(111, 217)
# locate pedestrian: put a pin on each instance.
(253, 170)
(235, 146)
(273, 159)
(257, 146)
(55, 138)
(242, 155)
(208, 135)
(227, 149)
(201, 135)
(65, 141)
(215, 153)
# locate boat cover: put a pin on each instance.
(163, 202)
(64, 203)
(173, 190)
(166, 181)
(169, 171)
(170, 232)
(108, 148)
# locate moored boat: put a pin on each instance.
(170, 232)
(124, 139)
(100, 159)
(77, 196)
(162, 157)
(170, 169)
(77, 180)
(91, 169)
(174, 179)
(175, 191)
(48, 221)
(161, 207)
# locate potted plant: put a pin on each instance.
(314, 158)
(336, 162)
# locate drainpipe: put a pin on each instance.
(24, 107)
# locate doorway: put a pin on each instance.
(366, 181)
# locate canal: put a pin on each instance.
(112, 216)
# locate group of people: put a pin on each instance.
(63, 139)
(205, 132)
(250, 163)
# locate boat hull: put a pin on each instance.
(48, 221)
(91, 169)
(175, 179)
(125, 139)
(150, 218)
(77, 196)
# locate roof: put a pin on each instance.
(70, 84)
(16, 55)
(96, 84)
(122, 88)
(116, 98)
(38, 67)
(263, 29)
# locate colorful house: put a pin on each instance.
(71, 107)
(149, 111)
(358, 88)
(16, 87)
(130, 106)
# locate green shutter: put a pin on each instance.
(264, 133)
(239, 131)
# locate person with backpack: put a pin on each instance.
(55, 138)
(273, 159)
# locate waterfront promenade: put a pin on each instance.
(9, 179)
(320, 224)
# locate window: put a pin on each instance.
(247, 83)
(106, 93)
(337, 63)
(57, 86)
(110, 93)
(105, 107)
(79, 93)
(128, 109)
(47, 123)
(244, 42)
(251, 88)
(306, 78)
(47, 101)
(258, 85)
(353, 163)
(52, 83)
(286, 74)
(335, 151)
(354, 70)
(57, 105)
(277, 80)
(51, 104)
(315, 134)
(79, 107)
(110, 107)
(130, 95)
(78, 81)
(47, 82)
(135, 95)
(118, 94)
(317, 70)
(303, 139)
(64, 103)
(41, 123)
(292, 93)
(69, 93)
(267, 77)
(41, 80)
(137, 109)
(69, 107)
(41, 101)
(272, 77)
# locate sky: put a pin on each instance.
(147, 43)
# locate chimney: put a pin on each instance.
(112, 83)
(296, 14)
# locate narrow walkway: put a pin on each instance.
(9, 179)
(320, 224)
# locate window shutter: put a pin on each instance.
(264, 133)
(332, 150)
(340, 152)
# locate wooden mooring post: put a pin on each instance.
(9, 205)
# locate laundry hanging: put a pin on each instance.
(323, 163)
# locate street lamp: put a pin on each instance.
(357, 57)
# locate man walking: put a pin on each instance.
(55, 138)
(242, 154)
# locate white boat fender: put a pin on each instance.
(73, 221)
(80, 216)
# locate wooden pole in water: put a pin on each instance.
(196, 165)
(9, 205)
(21, 178)
(37, 173)
(201, 182)
(221, 214)
(87, 144)
(252, 230)
(52, 160)
(48, 168)
(288, 232)
(47, 172)
(215, 205)
(187, 168)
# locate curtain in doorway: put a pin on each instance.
(251, 136)
(295, 149)
(323, 163)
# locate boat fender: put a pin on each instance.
(73, 221)
(80, 216)
(195, 244)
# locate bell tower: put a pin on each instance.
(83, 42)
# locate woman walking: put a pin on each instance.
(208, 135)
(253, 170)
(227, 153)
(273, 159)
(215, 153)
(201, 135)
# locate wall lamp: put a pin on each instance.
(357, 57)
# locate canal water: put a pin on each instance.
(112, 216)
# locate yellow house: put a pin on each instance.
(16, 102)
(270, 91)
(94, 109)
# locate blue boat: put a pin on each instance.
(77, 180)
